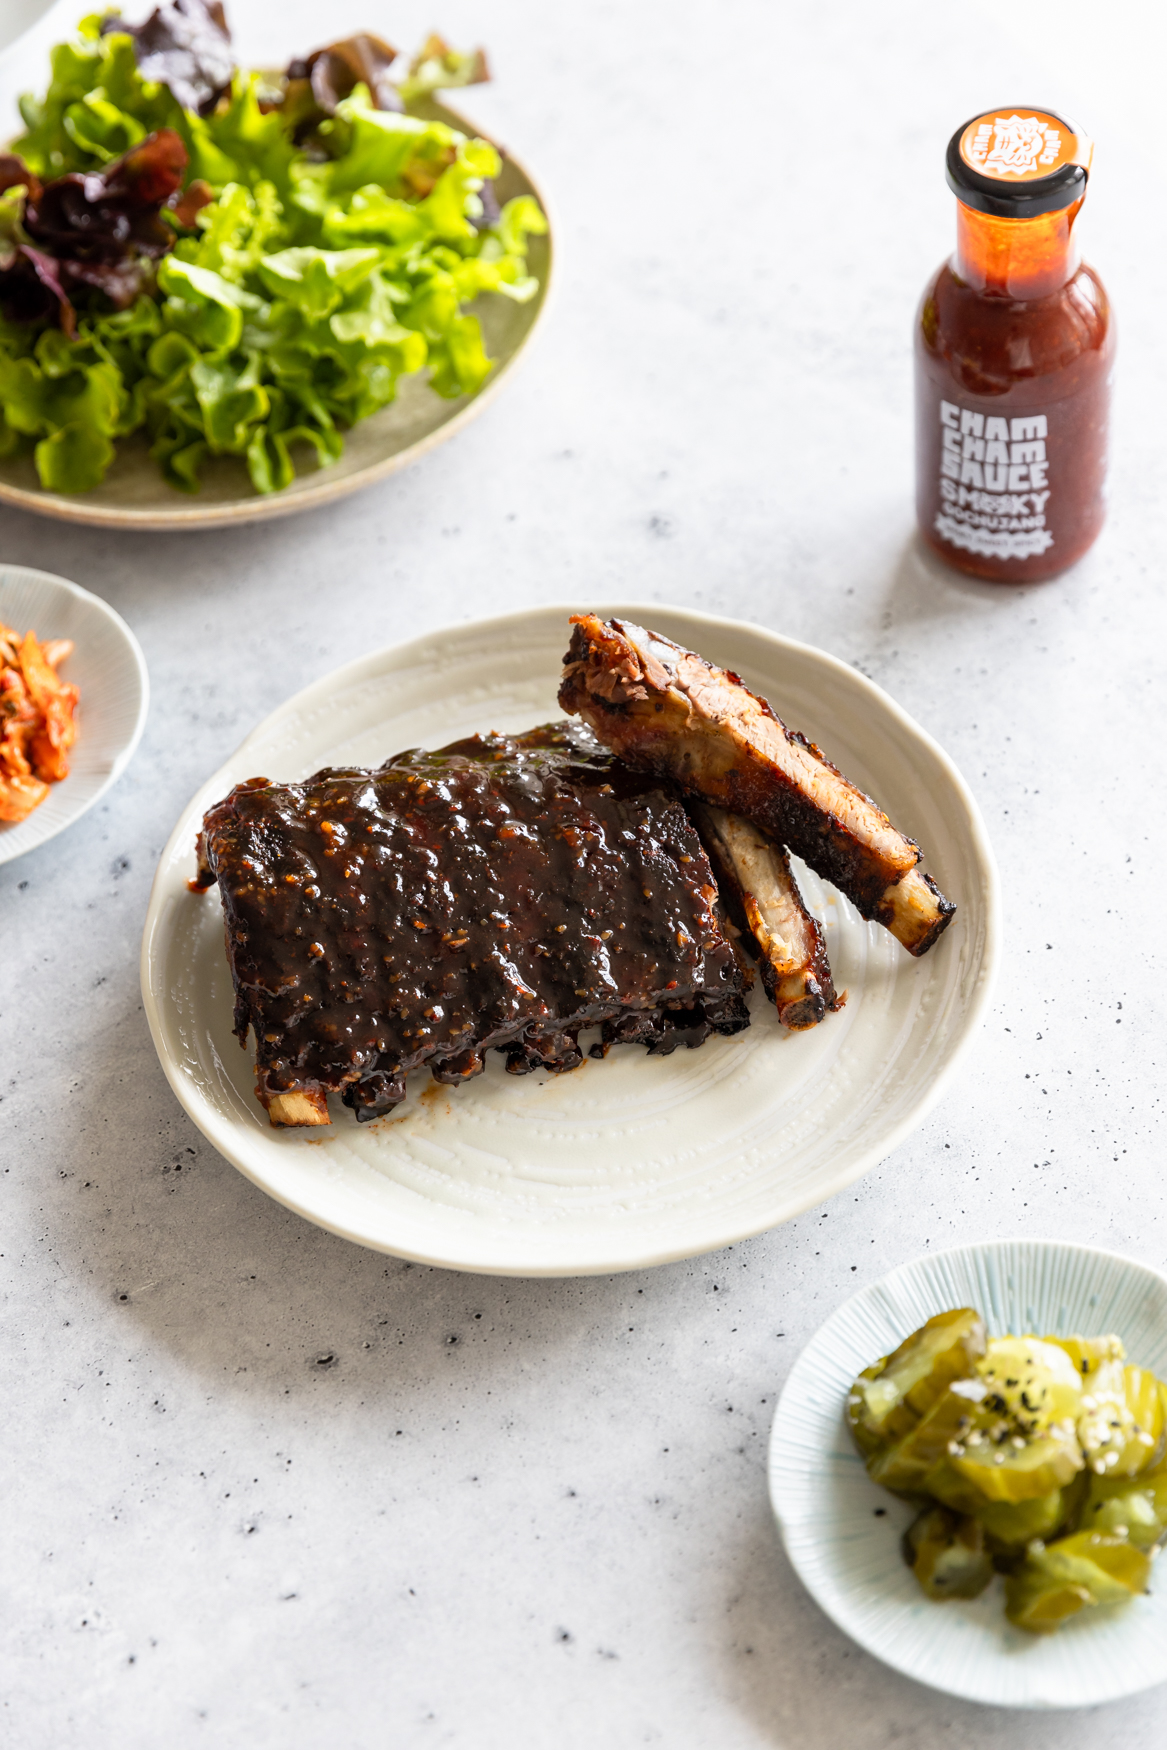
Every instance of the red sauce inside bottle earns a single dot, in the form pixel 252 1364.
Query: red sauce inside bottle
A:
pixel 1014 350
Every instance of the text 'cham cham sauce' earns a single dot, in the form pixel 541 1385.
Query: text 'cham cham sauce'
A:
pixel 1014 353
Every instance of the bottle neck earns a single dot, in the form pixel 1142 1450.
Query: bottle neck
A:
pixel 1016 258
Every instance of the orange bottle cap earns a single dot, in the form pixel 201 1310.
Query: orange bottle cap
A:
pixel 1017 162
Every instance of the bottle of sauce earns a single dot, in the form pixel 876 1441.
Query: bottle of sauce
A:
pixel 1014 349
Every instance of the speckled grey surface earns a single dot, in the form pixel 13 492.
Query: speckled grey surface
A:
pixel 264 1489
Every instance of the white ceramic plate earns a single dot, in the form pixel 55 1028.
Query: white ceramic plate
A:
pixel 108 666
pixel 849 1560
pixel 633 1160
pixel 134 495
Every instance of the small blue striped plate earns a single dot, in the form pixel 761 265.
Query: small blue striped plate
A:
pixel 848 1557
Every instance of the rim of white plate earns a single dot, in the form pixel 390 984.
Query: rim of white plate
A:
pixel 219 1130
pixel 94 604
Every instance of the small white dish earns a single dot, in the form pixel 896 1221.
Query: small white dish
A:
pixel 633 1160
pixel 107 666
pixel 842 1533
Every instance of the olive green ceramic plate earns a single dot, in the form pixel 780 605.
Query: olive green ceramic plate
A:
pixel 842 1533
pixel 134 495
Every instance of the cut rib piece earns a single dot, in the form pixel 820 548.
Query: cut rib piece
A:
pixel 299 1107
pixel 505 891
pixel 915 911
pixel 758 887
pixel 668 711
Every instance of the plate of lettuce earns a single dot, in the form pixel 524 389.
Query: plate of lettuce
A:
pixel 227 294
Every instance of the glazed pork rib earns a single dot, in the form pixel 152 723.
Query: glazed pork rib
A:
pixel 761 894
pixel 668 711
pixel 504 891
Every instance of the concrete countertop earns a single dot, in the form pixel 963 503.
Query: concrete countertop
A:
pixel 265 1488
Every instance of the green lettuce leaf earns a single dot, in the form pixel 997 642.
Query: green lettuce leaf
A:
pixel 204 305
pixel 459 358
pixel 258 146
pixel 232 401
pixel 74 458
pixel 383 147
pixel 306 291
pixel 316 280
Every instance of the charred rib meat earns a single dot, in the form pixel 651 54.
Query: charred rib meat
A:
pixel 505 891
pixel 761 894
pixel 668 711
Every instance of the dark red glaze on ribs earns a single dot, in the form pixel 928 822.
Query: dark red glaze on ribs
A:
pixel 667 710
pixel 504 891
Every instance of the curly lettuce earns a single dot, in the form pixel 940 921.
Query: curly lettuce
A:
pixel 303 291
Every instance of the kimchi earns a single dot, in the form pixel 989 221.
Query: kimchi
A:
pixel 37 720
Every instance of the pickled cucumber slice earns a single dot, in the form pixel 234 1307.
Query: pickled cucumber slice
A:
pixel 1015 1468
pixel 1024 1443
pixel 1116 1556
pixel 1158 1466
pixel 895 1394
pixel 865 1439
pixel 952 1490
pixel 1010 1526
pixel 1033 1383
pixel 1040 1604
pixel 947 1554
pixel 1057 1580
pixel 1122 1507
pixel 1088 1353
pixel 1042 1457
pixel 1121 1425
pixel 904 1467
pixel 1144 1399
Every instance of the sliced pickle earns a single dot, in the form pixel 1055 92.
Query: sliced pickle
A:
pixel 1040 1604
pixel 1033 1383
pixel 865 1439
pixel 1144 1398
pixel 904 1467
pixel 1023 1444
pixel 1118 1558
pixel 898 1391
pixel 1059 1579
pixel 1040 1601
pixel 952 1490
pixel 1043 1458
pixel 1158 1466
pixel 1074 1502
pixel 1121 1421
pixel 1010 1526
pixel 1135 1508
pixel 1088 1353
pixel 947 1554
pixel 1014 1468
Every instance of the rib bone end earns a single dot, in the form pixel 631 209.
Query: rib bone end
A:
pixel 916 912
pixel 297 1108
pixel 758 885
pixel 800 1000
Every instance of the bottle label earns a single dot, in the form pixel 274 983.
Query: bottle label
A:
pixel 994 486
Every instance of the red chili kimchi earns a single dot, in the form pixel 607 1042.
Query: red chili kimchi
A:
pixel 37 720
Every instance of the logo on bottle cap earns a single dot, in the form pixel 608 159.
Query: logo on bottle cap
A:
pixel 1021 145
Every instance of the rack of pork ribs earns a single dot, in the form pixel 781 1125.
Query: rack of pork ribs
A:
pixel 618 875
